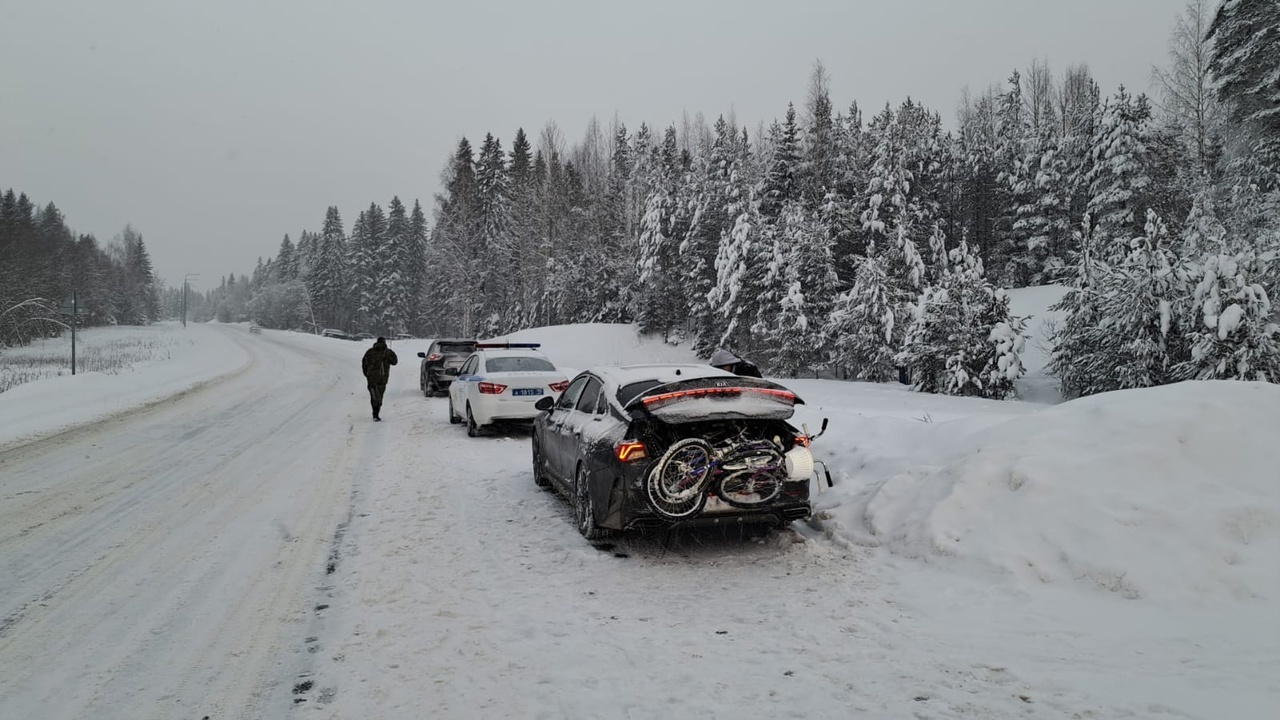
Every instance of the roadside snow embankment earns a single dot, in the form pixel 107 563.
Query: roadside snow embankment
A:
pixel 574 348
pixel 183 358
pixel 1168 494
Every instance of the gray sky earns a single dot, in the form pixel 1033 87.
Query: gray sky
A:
pixel 216 127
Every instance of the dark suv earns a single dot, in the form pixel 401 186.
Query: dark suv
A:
pixel 440 364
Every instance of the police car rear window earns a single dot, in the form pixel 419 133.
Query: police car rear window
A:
pixel 517 364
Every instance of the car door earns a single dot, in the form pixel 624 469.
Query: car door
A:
pixel 459 391
pixel 578 430
pixel 559 446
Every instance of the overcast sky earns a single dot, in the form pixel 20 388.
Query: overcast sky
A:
pixel 217 126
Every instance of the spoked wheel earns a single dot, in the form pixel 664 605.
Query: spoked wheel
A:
pixel 683 471
pixel 676 487
pixel 752 480
pixel 539 478
pixel 473 430
pixel 582 514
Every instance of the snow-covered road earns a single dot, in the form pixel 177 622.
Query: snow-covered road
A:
pixel 160 564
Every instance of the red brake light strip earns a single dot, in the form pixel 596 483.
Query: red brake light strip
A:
pixel 785 396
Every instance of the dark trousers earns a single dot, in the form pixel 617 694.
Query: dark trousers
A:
pixel 375 395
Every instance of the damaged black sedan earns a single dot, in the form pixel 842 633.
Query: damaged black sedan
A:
pixel 650 446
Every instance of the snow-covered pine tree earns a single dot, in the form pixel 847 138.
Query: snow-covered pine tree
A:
pixel 396 281
pixel 328 281
pixel 797 325
pixel 1246 55
pixel 710 220
pixel 1125 327
pixel 962 338
pixel 1232 331
pixel 415 269
pixel 863 323
pixel 661 302
pixel 490 253
pixel 1119 177
pixel 784 179
pixel 285 266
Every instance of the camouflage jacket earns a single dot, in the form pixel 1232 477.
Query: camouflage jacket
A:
pixel 377 363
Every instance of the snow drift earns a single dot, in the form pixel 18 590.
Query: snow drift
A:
pixel 1162 494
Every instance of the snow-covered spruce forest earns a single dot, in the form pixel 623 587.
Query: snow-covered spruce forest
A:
pixel 859 242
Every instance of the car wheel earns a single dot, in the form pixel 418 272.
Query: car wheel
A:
pixel 453 416
pixel 473 430
pixel 582 508
pixel 539 478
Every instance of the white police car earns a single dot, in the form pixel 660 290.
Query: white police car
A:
pixel 500 382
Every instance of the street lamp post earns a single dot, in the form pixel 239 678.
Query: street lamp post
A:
pixel 184 296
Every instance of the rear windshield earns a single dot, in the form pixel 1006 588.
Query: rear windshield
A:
pixel 627 392
pixel 456 348
pixel 517 364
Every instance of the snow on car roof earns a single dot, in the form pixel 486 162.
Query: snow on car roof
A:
pixel 627 374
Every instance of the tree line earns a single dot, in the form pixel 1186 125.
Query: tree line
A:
pixel 877 244
pixel 42 262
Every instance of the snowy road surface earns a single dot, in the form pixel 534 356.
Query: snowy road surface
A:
pixel 259 549
pixel 160 564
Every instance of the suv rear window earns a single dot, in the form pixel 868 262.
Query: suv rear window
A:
pixel 456 348
pixel 517 364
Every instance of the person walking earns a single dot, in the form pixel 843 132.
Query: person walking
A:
pixel 377 364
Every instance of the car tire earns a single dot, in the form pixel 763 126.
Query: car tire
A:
pixel 473 430
pixel 582 516
pixel 453 416
pixel 539 478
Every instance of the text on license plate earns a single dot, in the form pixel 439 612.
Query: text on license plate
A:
pixel 526 391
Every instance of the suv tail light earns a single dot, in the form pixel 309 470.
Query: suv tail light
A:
pixel 630 451
pixel 434 357
pixel 488 388
pixel 559 386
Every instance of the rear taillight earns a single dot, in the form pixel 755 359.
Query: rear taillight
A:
pixel 559 386
pixel 434 357
pixel 488 388
pixel 630 451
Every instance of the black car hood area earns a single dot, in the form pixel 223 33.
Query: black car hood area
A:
pixel 718 398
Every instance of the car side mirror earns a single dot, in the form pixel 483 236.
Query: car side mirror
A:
pixel 451 371
pixel 422 355
pixel 545 403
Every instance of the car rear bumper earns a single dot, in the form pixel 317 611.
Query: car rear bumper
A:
pixel 630 510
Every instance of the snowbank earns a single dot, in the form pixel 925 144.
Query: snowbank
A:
pixel 194 355
pixel 1165 494
pixel 576 347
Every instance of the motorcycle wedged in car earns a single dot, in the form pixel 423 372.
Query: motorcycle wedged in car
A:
pixel 651 446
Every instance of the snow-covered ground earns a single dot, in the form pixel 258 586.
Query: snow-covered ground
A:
pixel 146 364
pixel 259 548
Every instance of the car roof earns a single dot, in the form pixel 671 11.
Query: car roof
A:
pixel 455 340
pixel 622 375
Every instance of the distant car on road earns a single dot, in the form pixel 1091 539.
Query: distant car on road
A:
pixel 649 446
pixel 440 364
pixel 255 328
pixel 333 333
pixel 363 336
pixel 500 383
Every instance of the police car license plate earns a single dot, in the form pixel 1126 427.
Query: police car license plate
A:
pixel 518 392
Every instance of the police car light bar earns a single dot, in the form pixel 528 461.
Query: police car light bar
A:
pixel 509 346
